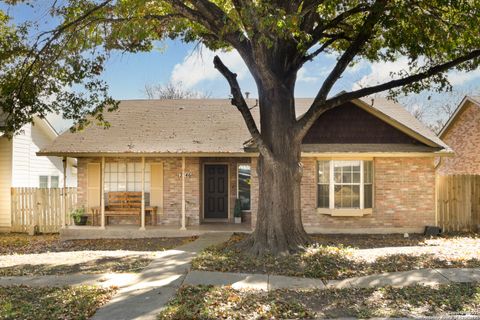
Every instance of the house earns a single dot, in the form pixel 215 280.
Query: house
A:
pixel 462 133
pixel 21 167
pixel 368 166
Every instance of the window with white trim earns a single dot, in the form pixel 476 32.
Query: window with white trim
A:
pixel 345 184
pixel 124 176
pixel 243 182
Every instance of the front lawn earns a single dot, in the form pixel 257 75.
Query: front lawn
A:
pixel 50 303
pixel 208 302
pixel 338 258
pixel 102 265
pixel 17 243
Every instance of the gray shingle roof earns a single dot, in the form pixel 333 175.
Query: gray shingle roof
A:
pixel 189 126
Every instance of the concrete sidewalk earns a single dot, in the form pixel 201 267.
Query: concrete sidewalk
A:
pixel 267 282
pixel 157 283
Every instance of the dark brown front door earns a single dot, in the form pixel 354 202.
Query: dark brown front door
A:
pixel 215 191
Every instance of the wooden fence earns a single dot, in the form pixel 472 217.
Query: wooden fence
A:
pixel 40 208
pixel 458 202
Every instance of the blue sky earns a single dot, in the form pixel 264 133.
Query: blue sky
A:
pixel 127 74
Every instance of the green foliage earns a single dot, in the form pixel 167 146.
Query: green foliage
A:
pixel 59 70
pixel 77 214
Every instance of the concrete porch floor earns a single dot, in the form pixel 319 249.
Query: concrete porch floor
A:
pixel 132 231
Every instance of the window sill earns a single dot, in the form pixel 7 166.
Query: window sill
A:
pixel 345 212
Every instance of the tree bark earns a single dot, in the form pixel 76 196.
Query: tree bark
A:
pixel 279 229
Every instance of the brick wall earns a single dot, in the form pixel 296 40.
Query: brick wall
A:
pixel 404 199
pixel 464 138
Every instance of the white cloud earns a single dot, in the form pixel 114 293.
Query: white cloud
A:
pixel 380 72
pixel 302 76
pixel 198 67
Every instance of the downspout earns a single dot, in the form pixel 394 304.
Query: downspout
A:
pixel 183 196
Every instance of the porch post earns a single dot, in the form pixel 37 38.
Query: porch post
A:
pixel 102 195
pixel 64 215
pixel 142 213
pixel 183 195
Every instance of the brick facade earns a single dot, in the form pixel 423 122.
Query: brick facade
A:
pixel 463 136
pixel 404 194
pixel 404 198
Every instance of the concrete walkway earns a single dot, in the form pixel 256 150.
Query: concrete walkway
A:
pixel 157 283
pixel 267 282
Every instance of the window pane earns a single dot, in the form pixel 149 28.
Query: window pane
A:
pixel 131 186
pixel 244 180
pixel 54 182
pixel 130 167
pixel 324 172
pixel 347 196
pixel 43 181
pixel 323 196
pixel 368 196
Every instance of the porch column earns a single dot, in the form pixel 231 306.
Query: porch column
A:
pixel 183 195
pixel 102 195
pixel 64 215
pixel 142 213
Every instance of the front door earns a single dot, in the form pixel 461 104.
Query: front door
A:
pixel 215 191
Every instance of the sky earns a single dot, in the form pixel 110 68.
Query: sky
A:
pixel 191 64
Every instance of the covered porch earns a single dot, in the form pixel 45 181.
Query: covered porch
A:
pixel 124 195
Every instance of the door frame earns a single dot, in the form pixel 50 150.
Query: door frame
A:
pixel 228 219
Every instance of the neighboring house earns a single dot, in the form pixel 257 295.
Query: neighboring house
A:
pixel 462 134
pixel 21 167
pixel 368 166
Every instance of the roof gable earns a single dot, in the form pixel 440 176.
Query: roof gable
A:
pixel 475 100
pixel 348 124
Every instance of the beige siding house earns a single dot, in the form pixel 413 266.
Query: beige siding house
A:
pixel 368 167
pixel 462 134
pixel 21 167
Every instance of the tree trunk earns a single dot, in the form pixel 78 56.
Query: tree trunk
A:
pixel 279 229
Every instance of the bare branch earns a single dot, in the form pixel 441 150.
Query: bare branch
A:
pixel 317 108
pixel 241 104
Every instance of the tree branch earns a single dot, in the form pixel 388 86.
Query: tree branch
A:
pixel 317 108
pixel 241 104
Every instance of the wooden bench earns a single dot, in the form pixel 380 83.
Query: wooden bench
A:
pixel 123 204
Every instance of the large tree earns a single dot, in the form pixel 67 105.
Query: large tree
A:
pixel 275 39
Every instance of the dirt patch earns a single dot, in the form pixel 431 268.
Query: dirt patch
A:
pixel 15 243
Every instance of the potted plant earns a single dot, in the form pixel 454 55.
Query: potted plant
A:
pixel 79 217
pixel 237 211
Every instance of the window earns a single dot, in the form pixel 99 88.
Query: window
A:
pixel 345 184
pixel 244 180
pixel 43 181
pixel 124 176
pixel 54 182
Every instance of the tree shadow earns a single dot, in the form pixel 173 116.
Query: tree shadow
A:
pixel 101 265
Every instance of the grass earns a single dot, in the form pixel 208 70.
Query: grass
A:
pixel 208 302
pixel 103 265
pixel 16 243
pixel 23 302
pixel 327 261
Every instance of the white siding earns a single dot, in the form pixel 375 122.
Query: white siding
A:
pixel 5 180
pixel 27 166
